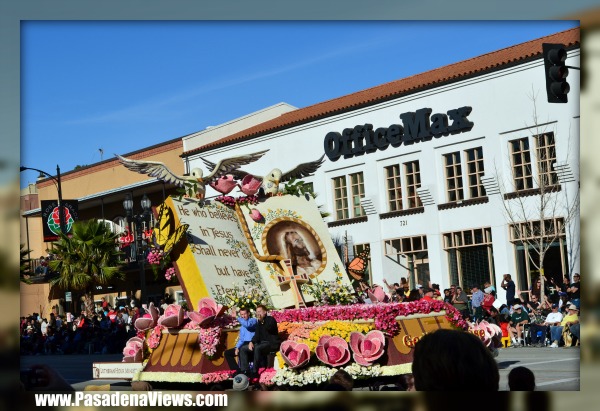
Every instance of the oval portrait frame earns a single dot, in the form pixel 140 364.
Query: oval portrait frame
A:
pixel 306 227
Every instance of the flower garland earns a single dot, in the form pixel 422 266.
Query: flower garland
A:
pixel 230 201
pixel 267 375
pixel 209 338
pixel 321 374
pixel 313 375
pixel 154 338
pixel 218 376
pixel 384 315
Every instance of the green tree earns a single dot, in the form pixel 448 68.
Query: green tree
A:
pixel 86 259
pixel 25 265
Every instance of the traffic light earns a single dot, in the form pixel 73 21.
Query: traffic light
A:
pixel 557 87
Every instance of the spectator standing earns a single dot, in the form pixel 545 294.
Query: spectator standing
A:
pixel 488 300
pixel 52 321
pixel 461 302
pixel 428 294
pixel 476 301
pixel 112 314
pixel 447 296
pixel 42 268
pixel 509 285
pixel 573 290
pixel 126 317
pixel 405 289
pixel 414 295
pixel 489 285
pixel 563 302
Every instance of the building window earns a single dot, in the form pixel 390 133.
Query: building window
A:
pixel 521 164
pixel 531 236
pixel 475 171
pixel 394 190
pixel 340 197
pixel 546 153
pixel 414 249
pixel 470 256
pixel 454 185
pixel 413 181
pixel 357 188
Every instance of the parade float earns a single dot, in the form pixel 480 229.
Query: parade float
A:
pixel 272 248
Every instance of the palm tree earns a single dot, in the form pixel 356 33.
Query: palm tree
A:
pixel 88 258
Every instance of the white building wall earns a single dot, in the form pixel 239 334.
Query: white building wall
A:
pixel 502 109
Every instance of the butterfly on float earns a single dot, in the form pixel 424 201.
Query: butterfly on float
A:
pixel 359 264
pixel 167 233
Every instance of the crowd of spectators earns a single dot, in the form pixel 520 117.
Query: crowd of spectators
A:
pixel 103 332
pixel 528 318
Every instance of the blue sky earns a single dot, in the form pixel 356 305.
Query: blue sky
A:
pixel 123 86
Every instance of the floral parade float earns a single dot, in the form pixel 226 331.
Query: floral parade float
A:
pixel 272 248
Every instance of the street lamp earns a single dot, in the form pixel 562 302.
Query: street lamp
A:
pixel 56 180
pixel 138 221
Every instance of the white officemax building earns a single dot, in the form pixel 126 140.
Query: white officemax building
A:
pixel 455 176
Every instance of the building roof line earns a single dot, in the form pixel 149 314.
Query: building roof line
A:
pixel 475 66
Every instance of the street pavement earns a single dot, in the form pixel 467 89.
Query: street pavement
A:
pixel 555 369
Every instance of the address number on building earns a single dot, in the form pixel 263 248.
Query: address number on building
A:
pixel 403 222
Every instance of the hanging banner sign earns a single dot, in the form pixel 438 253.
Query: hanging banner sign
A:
pixel 51 218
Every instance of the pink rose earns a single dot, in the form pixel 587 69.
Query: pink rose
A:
pixel 133 350
pixel 295 355
pixel 367 348
pixel 208 310
pixel 332 351
pixel 148 320
pixel 256 215
pixel 173 316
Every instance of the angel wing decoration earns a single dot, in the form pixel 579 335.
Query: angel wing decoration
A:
pixel 196 178
pixel 270 181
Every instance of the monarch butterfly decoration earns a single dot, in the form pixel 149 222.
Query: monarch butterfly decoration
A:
pixel 359 264
pixel 165 235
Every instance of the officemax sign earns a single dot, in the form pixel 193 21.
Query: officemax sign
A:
pixel 416 127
